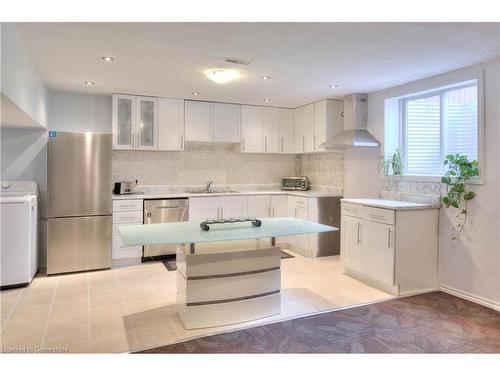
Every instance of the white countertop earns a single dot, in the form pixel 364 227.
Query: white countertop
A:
pixel 159 195
pixel 393 205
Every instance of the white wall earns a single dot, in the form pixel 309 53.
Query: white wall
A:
pixel 76 112
pixel 469 266
pixel 21 81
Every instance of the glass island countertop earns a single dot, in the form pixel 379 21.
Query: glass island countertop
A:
pixel 191 233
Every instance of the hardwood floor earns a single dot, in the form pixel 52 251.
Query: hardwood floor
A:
pixel 427 323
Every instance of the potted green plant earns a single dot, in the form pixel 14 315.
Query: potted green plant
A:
pixel 393 166
pixel 459 172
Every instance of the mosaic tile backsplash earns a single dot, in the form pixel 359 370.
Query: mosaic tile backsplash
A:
pixel 224 165
pixel 412 191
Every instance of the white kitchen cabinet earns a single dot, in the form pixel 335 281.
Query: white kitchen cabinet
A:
pixel 271 129
pixel 286 136
pixel 251 129
pixel 378 251
pixel 233 206
pixel 147 123
pixel 170 124
pixel 259 206
pixel 227 122
pixel 298 207
pixel 278 206
pixel 125 212
pixel 124 115
pixel 395 250
pixel 303 128
pixel 198 121
pixel 328 121
pixel 134 122
pixel 350 239
pixel 202 208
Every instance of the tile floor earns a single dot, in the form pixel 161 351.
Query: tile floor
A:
pixel 133 308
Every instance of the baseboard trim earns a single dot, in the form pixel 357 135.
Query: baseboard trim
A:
pixel 470 297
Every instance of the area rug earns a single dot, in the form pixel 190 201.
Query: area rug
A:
pixel 427 323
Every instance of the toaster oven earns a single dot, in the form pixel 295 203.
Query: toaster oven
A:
pixel 295 183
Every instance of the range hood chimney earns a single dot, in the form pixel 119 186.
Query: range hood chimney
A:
pixel 355 134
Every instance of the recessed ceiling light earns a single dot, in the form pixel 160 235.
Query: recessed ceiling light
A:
pixel 333 86
pixel 195 93
pixel 265 78
pixel 267 100
pixel 89 83
pixel 221 75
pixel 107 58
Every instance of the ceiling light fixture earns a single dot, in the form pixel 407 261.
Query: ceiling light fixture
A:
pixel 89 83
pixel 107 58
pixel 221 75
pixel 265 78
pixel 195 93
pixel 333 86
pixel 267 100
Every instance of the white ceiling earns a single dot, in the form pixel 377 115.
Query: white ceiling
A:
pixel 168 59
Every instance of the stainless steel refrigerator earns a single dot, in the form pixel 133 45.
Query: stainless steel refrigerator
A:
pixel 79 222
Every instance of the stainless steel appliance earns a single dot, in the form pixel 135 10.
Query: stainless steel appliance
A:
pixel 329 214
pixel 295 183
pixel 124 187
pixel 164 211
pixel 79 222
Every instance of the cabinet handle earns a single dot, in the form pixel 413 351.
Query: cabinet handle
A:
pixel 359 239
pixel 303 143
pixel 281 144
pixel 265 144
pixel 273 212
pixel 132 140
pixel 182 142
pixel 222 212
pixel 243 141
pixel 314 142
pixel 389 238
pixel 138 140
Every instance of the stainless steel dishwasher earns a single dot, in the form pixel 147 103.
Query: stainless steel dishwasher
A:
pixel 163 211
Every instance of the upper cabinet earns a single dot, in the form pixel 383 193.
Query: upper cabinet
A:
pixel 328 121
pixel 212 122
pixel 271 129
pixel 198 123
pixel 170 124
pixel 303 128
pixel 227 122
pixel 286 140
pixel 251 129
pixel 135 122
pixel 315 123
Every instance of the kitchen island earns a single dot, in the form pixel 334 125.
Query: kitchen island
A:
pixel 228 274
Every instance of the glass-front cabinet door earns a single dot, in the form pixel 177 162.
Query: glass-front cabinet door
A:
pixel 124 115
pixel 147 123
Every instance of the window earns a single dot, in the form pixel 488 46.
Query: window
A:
pixel 436 124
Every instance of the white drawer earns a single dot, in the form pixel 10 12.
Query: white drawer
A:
pixel 121 252
pixel 380 215
pixel 130 217
pixel 116 232
pixel 127 205
pixel 297 201
pixel 351 209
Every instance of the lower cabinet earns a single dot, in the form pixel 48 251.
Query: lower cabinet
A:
pixel 216 207
pixel 126 212
pixel 259 206
pixel 350 240
pixel 394 250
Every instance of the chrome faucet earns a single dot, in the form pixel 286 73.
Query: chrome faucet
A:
pixel 207 186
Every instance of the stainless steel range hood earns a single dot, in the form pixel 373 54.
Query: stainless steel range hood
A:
pixel 355 134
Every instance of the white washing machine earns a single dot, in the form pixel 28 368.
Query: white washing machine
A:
pixel 19 223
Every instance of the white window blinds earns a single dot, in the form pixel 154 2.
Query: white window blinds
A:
pixel 439 124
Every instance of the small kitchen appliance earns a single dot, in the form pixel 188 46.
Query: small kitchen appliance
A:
pixel 295 183
pixel 123 187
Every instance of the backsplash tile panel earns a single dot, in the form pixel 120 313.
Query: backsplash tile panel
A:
pixel 323 169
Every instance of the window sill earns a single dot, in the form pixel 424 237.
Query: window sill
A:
pixel 430 179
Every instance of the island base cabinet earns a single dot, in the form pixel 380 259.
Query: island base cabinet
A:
pixel 228 282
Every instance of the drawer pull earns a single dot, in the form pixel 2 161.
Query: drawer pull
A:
pixel 388 238
pixel 359 238
pixel 373 216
